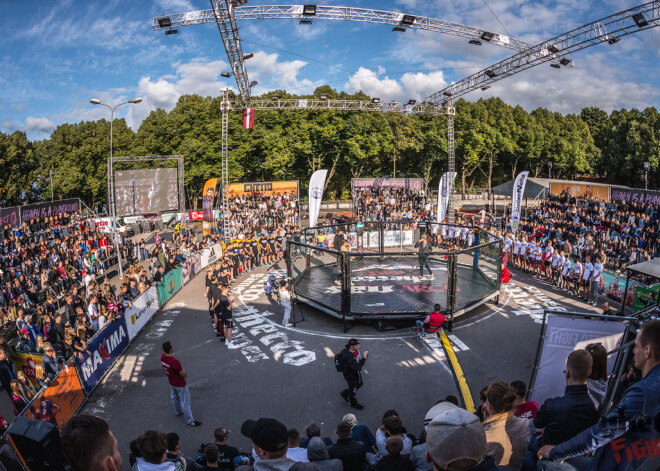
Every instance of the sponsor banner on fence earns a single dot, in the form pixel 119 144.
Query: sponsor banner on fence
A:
pixel 51 208
pixel 390 238
pixel 190 268
pixel 169 286
pixel 415 184
pixel 196 215
pixel 634 195
pixel 562 336
pixel 9 216
pixel 582 190
pixel 289 187
pixel 27 362
pixel 143 308
pixel 105 348
pixel 65 391
pixel 210 255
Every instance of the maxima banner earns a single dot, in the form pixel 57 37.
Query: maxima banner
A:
pixel 446 186
pixel 170 285
pixel 191 267
pixel 105 348
pixel 563 335
pixel 415 184
pixel 516 205
pixel 51 208
pixel 142 309
pixel 633 195
pixel 316 187
pixel 211 255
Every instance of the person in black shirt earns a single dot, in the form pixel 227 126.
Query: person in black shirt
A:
pixel 248 256
pixel 263 246
pixel 209 283
pixel 225 307
pixel 226 453
pixel 254 245
pixel 215 296
pixel 279 244
pixel 271 250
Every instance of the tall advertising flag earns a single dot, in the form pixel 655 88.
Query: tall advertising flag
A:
pixel 248 118
pixel 446 186
pixel 516 206
pixel 208 200
pixel 316 185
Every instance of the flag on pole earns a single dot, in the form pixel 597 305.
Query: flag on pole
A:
pixel 316 187
pixel 516 205
pixel 248 118
pixel 446 187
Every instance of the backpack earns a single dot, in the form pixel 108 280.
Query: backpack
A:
pixel 179 463
pixel 339 362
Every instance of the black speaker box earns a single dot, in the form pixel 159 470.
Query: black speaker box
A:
pixel 38 443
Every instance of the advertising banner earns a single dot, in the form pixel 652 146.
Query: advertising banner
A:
pixel 290 187
pixel 9 216
pixel 51 208
pixel 105 348
pixel 210 255
pixel 190 268
pixel 65 392
pixel 316 187
pixel 208 202
pixel 446 187
pixel 143 308
pixel 169 286
pixel 196 216
pixel 516 205
pixel 634 195
pixel 27 362
pixel 415 184
pixel 563 335
pixel 581 190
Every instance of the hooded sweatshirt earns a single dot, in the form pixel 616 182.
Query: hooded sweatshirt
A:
pixel 279 464
pixel 317 453
pixel 143 465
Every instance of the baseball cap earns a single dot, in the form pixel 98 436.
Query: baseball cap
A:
pixel 435 411
pixel 455 435
pixel 352 342
pixel 268 434
pixel 24 331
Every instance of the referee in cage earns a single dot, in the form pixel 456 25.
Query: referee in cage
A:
pixel 425 249
pixel 337 242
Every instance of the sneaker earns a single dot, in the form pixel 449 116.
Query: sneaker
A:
pixel 232 346
pixel 287 324
pixel 226 342
pixel 357 405
pixel 195 423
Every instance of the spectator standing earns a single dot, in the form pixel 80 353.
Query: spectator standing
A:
pixel 89 445
pixel 176 376
pixel 350 452
pixel 352 363
pixel 285 302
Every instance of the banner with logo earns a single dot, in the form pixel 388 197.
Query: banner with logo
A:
pixel 50 208
pixel 316 187
pixel 190 267
pixel 65 391
pixel 635 195
pixel 170 285
pixel 105 348
pixel 9 216
pixel 581 190
pixel 27 362
pixel 211 255
pixel 564 334
pixel 208 202
pixel 143 308
pixel 445 189
pixel 290 187
pixel 516 205
pixel 415 184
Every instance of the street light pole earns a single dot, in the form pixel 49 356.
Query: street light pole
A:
pixel 111 183
pixel 52 173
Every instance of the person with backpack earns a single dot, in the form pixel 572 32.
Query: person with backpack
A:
pixel 350 363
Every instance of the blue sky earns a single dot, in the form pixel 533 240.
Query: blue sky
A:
pixel 56 55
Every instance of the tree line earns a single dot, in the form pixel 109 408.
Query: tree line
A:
pixel 493 142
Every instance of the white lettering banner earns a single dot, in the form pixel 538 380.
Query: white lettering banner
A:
pixel 516 205
pixel 142 309
pixel 211 255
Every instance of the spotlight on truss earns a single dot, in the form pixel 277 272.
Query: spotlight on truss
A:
pixel 408 20
pixel 164 22
pixel 324 97
pixel 565 61
pixel 309 10
pixel 487 35
pixel 375 100
pixel 225 74
pixel 305 22
pixel 613 40
pixel 490 73
pixel 398 29
pixel 485 87
pixel 248 55
pixel 274 97
pixel 555 66
pixel 447 93
pixel 412 102
pixel 253 83
pixel 553 48
pixel 171 31
pixel 640 20
pixel 476 42
pixel 236 3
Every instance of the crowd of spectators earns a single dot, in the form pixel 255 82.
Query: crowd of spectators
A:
pixel 392 204
pixel 254 213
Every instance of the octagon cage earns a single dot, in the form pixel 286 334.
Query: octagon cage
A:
pixel 382 275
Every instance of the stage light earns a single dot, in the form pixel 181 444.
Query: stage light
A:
pixel 412 102
pixel 408 20
pixel 485 87
pixel 324 97
pixel 487 35
pixel 555 66
pixel 613 40
pixel 225 74
pixel 253 83
pixel 398 29
pixel 171 31
pixel 476 42
pixel 447 93
pixel 248 55
pixel 164 22
pixel 553 48
pixel 236 3
pixel 305 22
pixel 640 20
pixel 490 73
pixel 375 100
pixel 274 97
pixel 309 10
pixel 565 62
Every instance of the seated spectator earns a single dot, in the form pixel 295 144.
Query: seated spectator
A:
pixel 313 430
pixel 349 451
pixel 295 452
pixel 482 398
pixel 153 448
pixel 432 323
pixel 391 427
pixel 25 345
pixel 89 445
pixel 317 453
pixel 210 458
pixel 174 454
pixel 394 461
pixel 562 418
pixel 456 440
pixel 361 433
pixel 226 453
pixel 418 453
pixel 597 381
pixel 521 407
pixel 51 363
pixel 17 398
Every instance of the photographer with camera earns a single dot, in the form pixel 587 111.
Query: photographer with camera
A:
pixel 352 363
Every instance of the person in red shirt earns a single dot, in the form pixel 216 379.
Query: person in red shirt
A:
pixel 432 323
pixel 176 376
pixel 522 408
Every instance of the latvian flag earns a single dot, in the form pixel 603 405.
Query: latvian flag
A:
pixel 248 118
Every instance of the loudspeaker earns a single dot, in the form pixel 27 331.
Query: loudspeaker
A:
pixel 38 443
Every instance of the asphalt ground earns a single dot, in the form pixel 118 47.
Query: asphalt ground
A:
pixel 288 372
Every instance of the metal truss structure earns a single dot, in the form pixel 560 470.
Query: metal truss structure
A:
pixel 153 158
pixel 316 104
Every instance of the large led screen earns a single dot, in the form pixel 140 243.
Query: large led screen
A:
pixel 153 191
pixel 124 193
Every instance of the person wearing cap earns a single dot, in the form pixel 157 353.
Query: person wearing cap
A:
pixel 352 363
pixel 455 440
pixel 25 345
pixel 270 441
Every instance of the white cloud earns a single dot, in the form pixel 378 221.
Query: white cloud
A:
pixel 271 73
pixel 411 85
pixel 174 6
pixel 43 125
pixel 9 125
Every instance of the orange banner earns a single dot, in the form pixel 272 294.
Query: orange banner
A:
pixel 581 190
pixel 65 392
pixel 265 188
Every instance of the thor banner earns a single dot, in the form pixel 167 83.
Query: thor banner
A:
pixel 208 201
pixel 446 186
pixel 316 187
pixel 142 309
pixel 170 285
pixel 65 392
pixel 516 205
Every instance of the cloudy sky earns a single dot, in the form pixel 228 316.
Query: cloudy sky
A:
pixel 56 55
